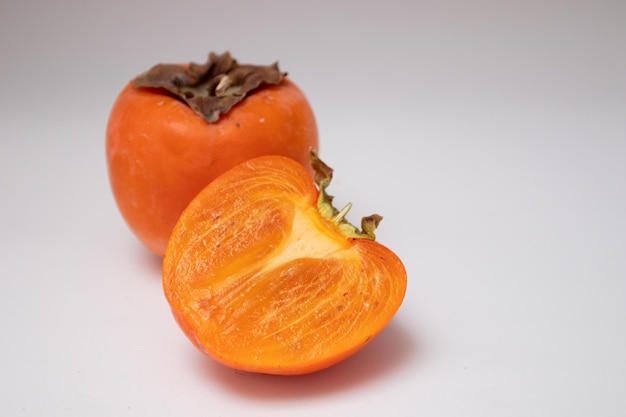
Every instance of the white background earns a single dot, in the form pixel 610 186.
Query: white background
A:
pixel 490 134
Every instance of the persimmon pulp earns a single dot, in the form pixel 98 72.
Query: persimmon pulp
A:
pixel 261 281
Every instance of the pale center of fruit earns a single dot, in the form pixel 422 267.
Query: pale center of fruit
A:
pixel 310 237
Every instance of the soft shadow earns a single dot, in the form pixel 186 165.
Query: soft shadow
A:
pixel 149 261
pixel 385 354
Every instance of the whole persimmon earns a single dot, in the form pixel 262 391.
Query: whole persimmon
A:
pixel 264 275
pixel 175 128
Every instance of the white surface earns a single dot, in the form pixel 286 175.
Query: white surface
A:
pixel 491 136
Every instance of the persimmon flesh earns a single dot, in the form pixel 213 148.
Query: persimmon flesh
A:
pixel 263 275
pixel 162 150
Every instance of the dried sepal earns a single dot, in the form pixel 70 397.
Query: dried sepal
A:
pixel 211 88
pixel 323 178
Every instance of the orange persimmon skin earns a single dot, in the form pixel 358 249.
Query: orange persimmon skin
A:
pixel 261 282
pixel 160 153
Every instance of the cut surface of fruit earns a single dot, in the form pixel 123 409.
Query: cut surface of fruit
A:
pixel 261 281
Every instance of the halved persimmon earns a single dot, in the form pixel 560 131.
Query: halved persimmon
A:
pixel 264 275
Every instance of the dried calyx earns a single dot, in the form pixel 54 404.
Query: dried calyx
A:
pixel 212 88
pixel 323 177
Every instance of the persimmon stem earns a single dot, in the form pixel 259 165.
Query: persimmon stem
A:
pixel 342 214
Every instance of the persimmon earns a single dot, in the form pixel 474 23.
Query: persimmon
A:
pixel 175 128
pixel 264 275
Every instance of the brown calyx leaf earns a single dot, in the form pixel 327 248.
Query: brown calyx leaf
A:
pixel 212 88
pixel 323 177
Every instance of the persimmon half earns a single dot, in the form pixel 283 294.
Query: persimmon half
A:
pixel 175 128
pixel 264 275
